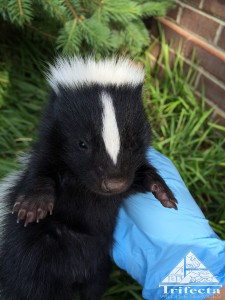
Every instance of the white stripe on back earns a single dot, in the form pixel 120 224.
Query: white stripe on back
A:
pixel 110 131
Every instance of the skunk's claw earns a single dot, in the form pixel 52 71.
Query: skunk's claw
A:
pixel 21 215
pixel 41 214
pixel 30 218
pixel 164 195
pixel 31 209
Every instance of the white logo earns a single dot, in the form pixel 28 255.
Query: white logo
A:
pixel 190 279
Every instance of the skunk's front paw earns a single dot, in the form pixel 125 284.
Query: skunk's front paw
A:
pixel 161 191
pixel 34 206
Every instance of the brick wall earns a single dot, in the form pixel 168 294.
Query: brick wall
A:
pixel 200 25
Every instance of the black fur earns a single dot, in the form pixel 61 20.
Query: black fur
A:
pixel 68 252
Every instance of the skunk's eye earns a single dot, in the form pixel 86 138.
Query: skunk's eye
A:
pixel 82 145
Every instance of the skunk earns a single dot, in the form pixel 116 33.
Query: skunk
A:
pixel 89 156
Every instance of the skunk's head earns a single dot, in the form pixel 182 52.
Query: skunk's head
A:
pixel 98 110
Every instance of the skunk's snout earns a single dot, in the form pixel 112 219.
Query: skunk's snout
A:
pixel 115 185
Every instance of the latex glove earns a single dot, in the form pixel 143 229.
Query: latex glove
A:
pixel 150 241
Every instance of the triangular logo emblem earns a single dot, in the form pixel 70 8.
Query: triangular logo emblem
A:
pixel 190 271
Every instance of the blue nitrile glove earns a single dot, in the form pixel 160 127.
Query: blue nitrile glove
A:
pixel 172 254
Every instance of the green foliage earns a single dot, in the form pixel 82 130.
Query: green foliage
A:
pixel 135 29
pixel 4 82
pixel 18 11
pixel 122 11
pixel 183 131
pixel 96 34
pixel 155 8
pixel 83 27
pixel 22 96
pixel 122 287
pixel 69 37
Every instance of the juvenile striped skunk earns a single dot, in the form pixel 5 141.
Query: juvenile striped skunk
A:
pixel 90 155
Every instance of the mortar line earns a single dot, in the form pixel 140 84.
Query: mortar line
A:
pixel 200 12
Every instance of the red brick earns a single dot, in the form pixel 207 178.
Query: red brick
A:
pixel 199 24
pixel 213 64
pixel 187 68
pixel 209 62
pixel 172 13
pixel 155 50
pixel 215 7
pixel 213 91
pixel 172 37
pixel 219 120
pixel 194 3
pixel 221 42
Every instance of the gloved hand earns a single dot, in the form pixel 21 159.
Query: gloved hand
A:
pixel 164 249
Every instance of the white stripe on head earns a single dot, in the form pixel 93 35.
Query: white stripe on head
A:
pixel 110 131
pixel 75 71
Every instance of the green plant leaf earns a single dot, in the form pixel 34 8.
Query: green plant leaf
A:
pixel 20 11
pixel 70 37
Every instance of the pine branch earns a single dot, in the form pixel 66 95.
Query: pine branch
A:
pixel 70 37
pixel 20 11
pixel 68 4
pixel 41 32
pixel 136 37
pixel 96 35
pixel 78 26
pixel 123 11
pixel 55 8
pixel 20 8
pixel 154 8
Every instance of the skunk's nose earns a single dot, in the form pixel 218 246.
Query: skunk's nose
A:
pixel 114 185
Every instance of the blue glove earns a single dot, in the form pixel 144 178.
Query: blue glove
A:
pixel 172 254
